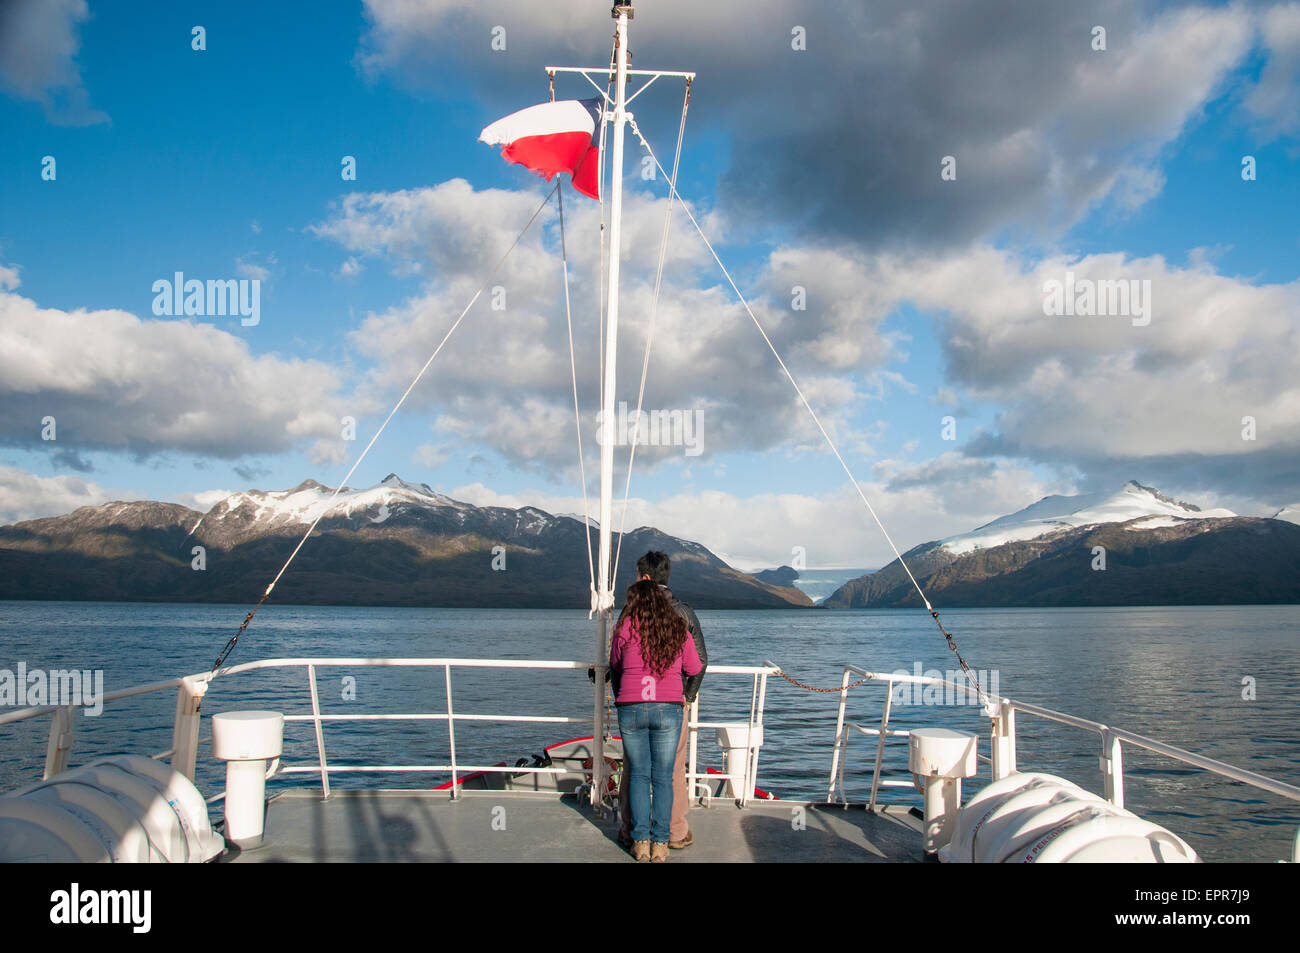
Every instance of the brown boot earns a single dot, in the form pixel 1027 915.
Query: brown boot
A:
pixel 641 851
pixel 658 853
pixel 686 841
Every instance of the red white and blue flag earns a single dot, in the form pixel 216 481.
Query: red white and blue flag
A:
pixel 554 137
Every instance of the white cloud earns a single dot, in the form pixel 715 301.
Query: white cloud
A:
pixel 252 270
pixel 1216 348
pixel 25 496
pixel 504 379
pixel 429 456
pixel 9 279
pixel 1164 402
pixel 1098 392
pixel 835 530
pixel 204 500
pixel 39 42
pixel 329 452
pixel 114 381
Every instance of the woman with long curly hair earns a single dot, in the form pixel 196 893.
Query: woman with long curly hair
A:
pixel 648 653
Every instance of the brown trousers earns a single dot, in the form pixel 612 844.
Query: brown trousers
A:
pixel 681 801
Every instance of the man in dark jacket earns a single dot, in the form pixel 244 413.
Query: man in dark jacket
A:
pixel 655 566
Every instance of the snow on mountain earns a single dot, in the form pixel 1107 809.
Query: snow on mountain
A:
pixel 309 499
pixel 1144 505
pixel 1289 513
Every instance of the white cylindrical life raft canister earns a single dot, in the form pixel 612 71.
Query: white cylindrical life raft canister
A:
pixel 1040 818
pixel 737 742
pixel 939 758
pixel 116 810
pixel 246 741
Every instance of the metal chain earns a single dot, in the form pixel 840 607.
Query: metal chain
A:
pixel 235 638
pixel 838 688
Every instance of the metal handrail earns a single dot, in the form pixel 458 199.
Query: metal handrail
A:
pixel 757 700
pixel 192 688
pixel 450 716
pixel 22 714
pixel 1003 736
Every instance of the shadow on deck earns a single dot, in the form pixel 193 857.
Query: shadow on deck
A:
pixel 495 827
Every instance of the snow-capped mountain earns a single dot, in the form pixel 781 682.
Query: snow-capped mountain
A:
pixel 395 543
pixel 1141 507
pixel 309 499
pixel 1136 546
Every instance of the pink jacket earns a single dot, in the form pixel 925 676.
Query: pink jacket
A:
pixel 633 680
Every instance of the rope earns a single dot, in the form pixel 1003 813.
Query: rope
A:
pixel 650 331
pixel 577 416
pixel 984 700
pixel 401 400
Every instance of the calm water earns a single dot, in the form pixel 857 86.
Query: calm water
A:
pixel 1174 673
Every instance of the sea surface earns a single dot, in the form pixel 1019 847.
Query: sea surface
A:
pixel 1220 681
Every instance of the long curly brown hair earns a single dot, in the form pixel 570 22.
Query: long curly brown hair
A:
pixel 662 630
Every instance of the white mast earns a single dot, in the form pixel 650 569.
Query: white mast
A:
pixel 622 13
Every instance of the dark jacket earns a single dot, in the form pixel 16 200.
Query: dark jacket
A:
pixel 691 683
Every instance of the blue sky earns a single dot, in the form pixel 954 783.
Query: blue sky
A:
pixel 817 167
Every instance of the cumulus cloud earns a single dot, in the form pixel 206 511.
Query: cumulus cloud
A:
pixel 504 379
pixel 113 381
pixel 1159 393
pixel 39 42
pixel 1170 401
pixel 26 496
pixel 846 144
pixel 834 529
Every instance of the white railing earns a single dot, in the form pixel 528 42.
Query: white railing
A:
pixel 450 716
pixel 1002 738
pixel 696 781
pixel 191 690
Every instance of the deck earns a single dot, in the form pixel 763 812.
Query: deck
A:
pixel 429 827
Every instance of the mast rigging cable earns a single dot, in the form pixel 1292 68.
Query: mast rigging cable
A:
pixel 984 699
pixel 401 400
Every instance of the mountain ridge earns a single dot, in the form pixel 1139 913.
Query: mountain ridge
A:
pixel 395 543
pixel 1154 550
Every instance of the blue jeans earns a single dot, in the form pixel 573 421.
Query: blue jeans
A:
pixel 650 731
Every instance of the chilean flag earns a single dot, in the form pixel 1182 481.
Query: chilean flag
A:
pixel 554 137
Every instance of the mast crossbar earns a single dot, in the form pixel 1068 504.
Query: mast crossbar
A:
pixel 586 71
